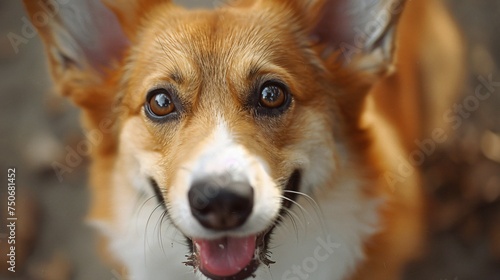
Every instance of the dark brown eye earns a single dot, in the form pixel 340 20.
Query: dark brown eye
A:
pixel 272 96
pixel 161 103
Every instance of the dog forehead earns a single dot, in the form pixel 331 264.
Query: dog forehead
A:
pixel 208 53
pixel 206 48
pixel 210 40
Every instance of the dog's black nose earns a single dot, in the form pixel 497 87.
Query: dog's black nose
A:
pixel 221 206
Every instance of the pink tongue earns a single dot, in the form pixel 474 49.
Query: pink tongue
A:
pixel 226 256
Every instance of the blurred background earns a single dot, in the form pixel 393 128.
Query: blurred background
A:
pixel 462 179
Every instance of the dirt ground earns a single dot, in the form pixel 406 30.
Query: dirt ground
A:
pixel 462 179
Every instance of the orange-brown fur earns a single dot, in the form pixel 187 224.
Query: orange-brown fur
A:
pixel 399 96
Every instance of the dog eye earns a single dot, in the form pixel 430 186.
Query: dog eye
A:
pixel 272 95
pixel 160 103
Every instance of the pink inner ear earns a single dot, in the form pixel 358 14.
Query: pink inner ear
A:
pixel 94 31
pixel 111 38
pixel 343 21
pixel 358 28
pixel 335 25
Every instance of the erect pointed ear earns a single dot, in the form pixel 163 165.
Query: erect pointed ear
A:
pixel 361 31
pixel 84 41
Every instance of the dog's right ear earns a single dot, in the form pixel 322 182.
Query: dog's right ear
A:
pixel 85 41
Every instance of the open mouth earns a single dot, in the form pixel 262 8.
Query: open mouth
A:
pixel 237 258
pixel 229 258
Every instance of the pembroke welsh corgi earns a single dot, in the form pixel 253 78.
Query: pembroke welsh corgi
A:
pixel 266 139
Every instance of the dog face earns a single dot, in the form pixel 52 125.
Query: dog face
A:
pixel 226 124
pixel 228 114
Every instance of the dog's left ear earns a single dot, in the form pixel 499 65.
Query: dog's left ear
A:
pixel 361 31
